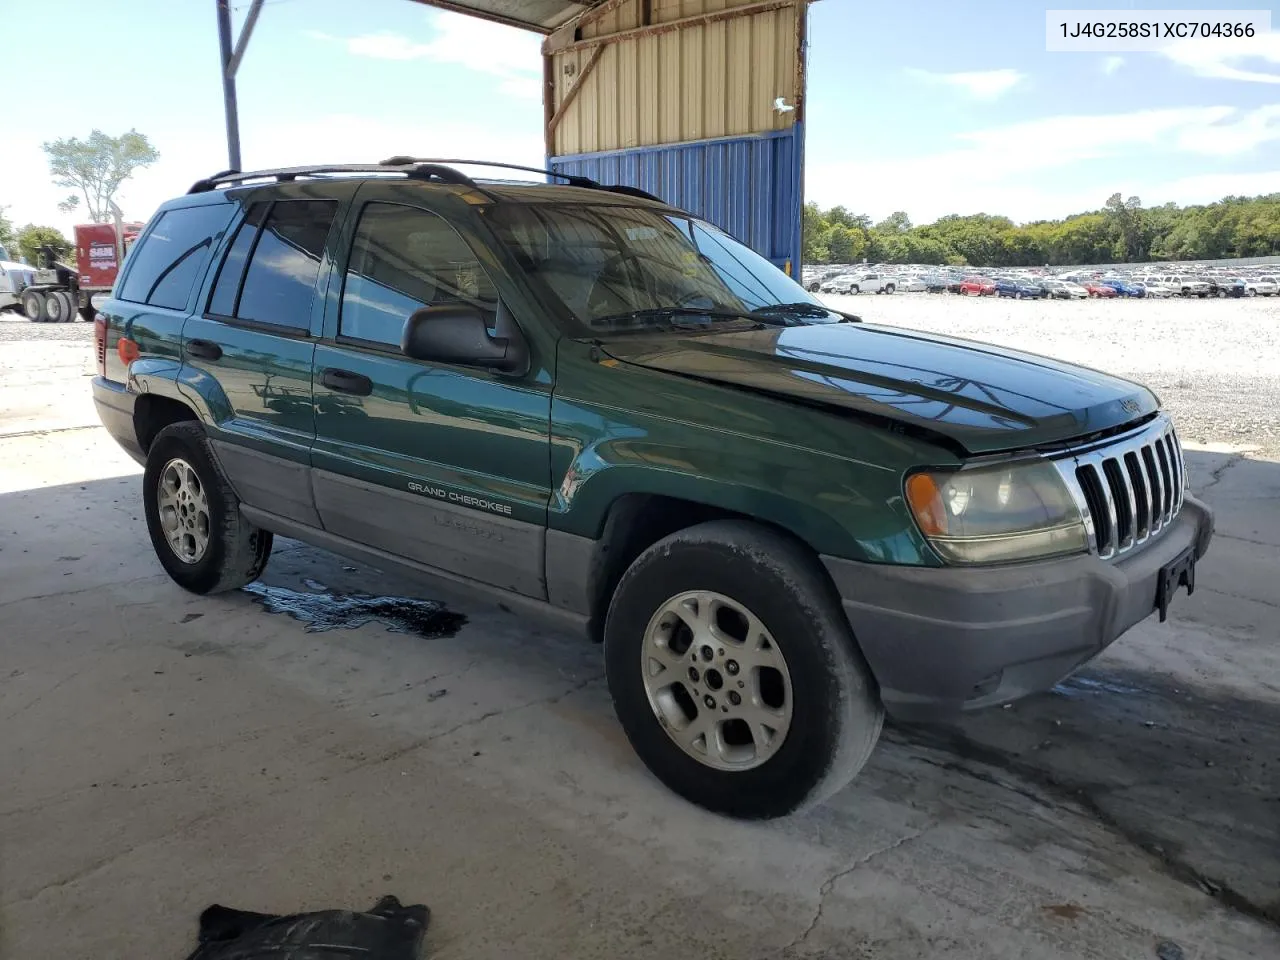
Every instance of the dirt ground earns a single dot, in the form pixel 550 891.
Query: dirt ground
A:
pixel 161 751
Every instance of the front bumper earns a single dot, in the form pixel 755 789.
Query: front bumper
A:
pixel 943 640
pixel 115 409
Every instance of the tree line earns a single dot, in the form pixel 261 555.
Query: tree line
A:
pixel 1123 231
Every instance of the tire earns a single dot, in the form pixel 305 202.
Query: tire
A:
pixel 33 305
pixel 889 288
pixel 835 711
pixel 58 307
pixel 1251 293
pixel 236 552
pixel 1017 294
pixel 854 290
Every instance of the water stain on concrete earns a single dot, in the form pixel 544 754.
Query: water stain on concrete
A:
pixel 325 609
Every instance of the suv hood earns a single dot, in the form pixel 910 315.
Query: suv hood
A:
pixel 984 398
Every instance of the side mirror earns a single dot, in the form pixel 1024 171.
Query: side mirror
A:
pixel 457 333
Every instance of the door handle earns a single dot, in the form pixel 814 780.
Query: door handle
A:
pixel 344 381
pixel 203 350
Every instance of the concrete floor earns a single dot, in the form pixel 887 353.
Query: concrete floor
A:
pixel 161 751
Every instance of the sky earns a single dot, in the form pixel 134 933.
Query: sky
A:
pixel 928 107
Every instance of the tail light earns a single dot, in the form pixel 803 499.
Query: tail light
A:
pixel 100 342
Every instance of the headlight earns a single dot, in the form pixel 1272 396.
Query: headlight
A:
pixel 1019 511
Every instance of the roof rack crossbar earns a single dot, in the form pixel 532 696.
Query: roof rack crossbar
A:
pixel 413 169
pixel 573 179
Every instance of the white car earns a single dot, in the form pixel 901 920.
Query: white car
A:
pixel 873 283
pixel 1187 286
pixel 911 284
pixel 1261 287
pixel 1155 287
pixel 14 278
pixel 840 284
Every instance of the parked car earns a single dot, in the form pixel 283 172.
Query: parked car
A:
pixel 1261 287
pixel 977 287
pixel 1063 289
pixel 937 283
pixel 840 284
pixel 1231 287
pixel 14 278
pixel 592 406
pixel 1018 289
pixel 1154 291
pixel 1156 287
pixel 872 283
pixel 1124 288
pixel 1187 286
pixel 911 285
pixel 1096 288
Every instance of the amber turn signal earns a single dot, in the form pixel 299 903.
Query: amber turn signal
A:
pixel 925 500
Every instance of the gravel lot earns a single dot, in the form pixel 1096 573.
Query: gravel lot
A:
pixel 1214 363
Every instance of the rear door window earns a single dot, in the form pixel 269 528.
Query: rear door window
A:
pixel 166 265
pixel 280 281
pixel 226 289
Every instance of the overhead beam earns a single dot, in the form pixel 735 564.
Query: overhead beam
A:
pixel 562 41
pixel 506 21
pixel 250 21
pixel 572 95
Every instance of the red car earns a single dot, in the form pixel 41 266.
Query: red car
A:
pixel 1100 289
pixel 978 287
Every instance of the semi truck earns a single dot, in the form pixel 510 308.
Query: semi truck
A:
pixel 60 290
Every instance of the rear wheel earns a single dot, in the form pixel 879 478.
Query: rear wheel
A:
pixel 57 307
pixel 33 305
pixel 734 673
pixel 889 288
pixel 193 515
pixel 1250 292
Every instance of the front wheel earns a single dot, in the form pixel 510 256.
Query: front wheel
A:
pixel 889 288
pixel 854 290
pixel 1251 293
pixel 199 535
pixel 734 673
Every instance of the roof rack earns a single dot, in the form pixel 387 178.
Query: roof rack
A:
pixel 416 169
pixel 573 179
pixel 421 168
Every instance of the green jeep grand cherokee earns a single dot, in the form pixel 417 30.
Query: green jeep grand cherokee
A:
pixel 780 521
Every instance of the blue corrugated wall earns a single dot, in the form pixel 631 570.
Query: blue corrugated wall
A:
pixel 750 187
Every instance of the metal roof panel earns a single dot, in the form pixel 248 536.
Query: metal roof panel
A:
pixel 542 16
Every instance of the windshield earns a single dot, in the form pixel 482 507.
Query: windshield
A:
pixel 616 268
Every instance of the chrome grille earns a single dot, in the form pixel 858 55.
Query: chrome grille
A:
pixel 1129 490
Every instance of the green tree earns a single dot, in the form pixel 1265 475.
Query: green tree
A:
pixel 6 231
pixel 31 238
pixel 96 167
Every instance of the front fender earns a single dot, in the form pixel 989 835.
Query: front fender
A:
pixel 834 483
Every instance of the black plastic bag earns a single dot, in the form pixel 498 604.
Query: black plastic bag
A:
pixel 389 931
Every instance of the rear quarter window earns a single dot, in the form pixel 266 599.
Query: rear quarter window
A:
pixel 172 257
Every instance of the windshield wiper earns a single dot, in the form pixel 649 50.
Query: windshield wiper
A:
pixel 670 314
pixel 806 309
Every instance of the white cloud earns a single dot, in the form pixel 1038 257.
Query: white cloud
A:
pixel 1012 169
pixel 1235 59
pixel 1111 64
pixel 514 56
pixel 981 85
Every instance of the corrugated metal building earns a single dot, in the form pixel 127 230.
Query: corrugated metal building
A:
pixel 698 101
